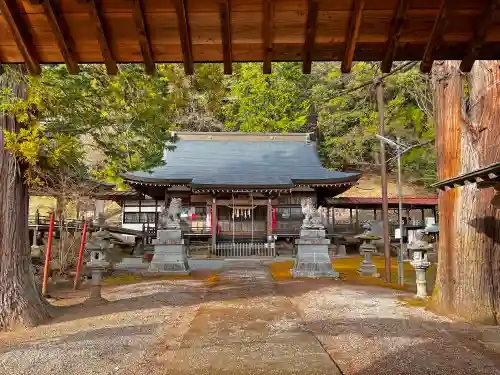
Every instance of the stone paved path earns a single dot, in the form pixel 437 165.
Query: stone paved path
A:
pixel 244 328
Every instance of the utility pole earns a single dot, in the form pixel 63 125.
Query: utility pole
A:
pixel 399 148
pixel 383 172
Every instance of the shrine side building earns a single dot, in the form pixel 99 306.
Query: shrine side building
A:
pixel 235 187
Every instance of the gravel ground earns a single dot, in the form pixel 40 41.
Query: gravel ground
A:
pixel 103 339
pixel 243 328
pixel 247 324
pixel 367 330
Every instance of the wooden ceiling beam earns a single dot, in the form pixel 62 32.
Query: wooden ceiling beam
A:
pixel 95 14
pixel 485 23
pixel 312 20
pixel 185 36
pixel 352 35
pixel 436 36
pixel 394 35
pixel 225 30
pixel 143 36
pixel 59 28
pixel 268 35
pixel 22 37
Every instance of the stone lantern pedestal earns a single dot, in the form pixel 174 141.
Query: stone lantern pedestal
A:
pixel 367 268
pixel 420 263
pixel 367 249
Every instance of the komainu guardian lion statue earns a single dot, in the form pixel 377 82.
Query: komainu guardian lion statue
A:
pixel 170 219
pixel 312 218
pixel 174 213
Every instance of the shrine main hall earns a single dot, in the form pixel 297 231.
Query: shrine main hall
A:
pixel 236 187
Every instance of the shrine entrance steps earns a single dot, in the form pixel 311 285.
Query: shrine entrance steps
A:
pixel 245 327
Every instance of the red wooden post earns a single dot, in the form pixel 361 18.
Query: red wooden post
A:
pixel 47 256
pixel 80 256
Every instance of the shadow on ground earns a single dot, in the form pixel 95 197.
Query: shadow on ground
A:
pixel 417 346
pixel 185 294
pixel 360 336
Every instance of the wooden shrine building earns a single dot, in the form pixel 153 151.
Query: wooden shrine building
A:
pixel 484 178
pixel 238 186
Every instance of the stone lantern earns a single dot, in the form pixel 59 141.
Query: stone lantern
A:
pixel 420 262
pixel 367 248
pixel 98 246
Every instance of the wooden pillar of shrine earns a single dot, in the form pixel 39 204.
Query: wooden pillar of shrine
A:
pixel 333 218
pixel 214 224
pixel 357 218
pixel 269 222
pixel 351 223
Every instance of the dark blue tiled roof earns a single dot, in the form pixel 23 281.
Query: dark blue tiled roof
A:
pixel 241 162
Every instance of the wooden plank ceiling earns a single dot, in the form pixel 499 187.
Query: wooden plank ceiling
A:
pixel 188 31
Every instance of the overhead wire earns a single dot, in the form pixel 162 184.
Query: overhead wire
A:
pixel 407 65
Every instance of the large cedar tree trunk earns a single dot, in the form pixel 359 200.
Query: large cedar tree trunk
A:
pixel 21 303
pixel 467 111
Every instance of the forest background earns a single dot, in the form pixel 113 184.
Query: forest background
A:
pixel 97 126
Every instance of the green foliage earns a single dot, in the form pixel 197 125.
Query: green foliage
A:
pixel 122 122
pixel 348 118
pixel 103 126
pixel 38 152
pixel 277 102
pixel 107 125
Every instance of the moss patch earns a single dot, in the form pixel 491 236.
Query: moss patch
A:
pixel 281 270
pixel 414 302
pixel 214 279
pixel 348 269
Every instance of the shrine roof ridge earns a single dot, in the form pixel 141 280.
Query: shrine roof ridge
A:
pixel 247 136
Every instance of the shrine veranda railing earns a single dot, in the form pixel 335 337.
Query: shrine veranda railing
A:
pixel 243 249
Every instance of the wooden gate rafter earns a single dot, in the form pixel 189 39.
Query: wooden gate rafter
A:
pixel 36 32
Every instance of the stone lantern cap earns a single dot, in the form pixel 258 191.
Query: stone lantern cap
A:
pixel 101 240
pixel 368 235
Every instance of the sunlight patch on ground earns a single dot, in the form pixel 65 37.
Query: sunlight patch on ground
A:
pixel 348 269
pixel 126 279
pixel 413 302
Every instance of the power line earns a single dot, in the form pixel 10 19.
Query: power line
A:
pixel 410 148
pixel 407 65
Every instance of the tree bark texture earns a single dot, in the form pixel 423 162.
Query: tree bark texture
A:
pixel 21 303
pixel 467 138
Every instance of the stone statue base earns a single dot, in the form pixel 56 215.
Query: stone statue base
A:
pixel 169 255
pixel 313 260
pixel 132 264
pixel 367 268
